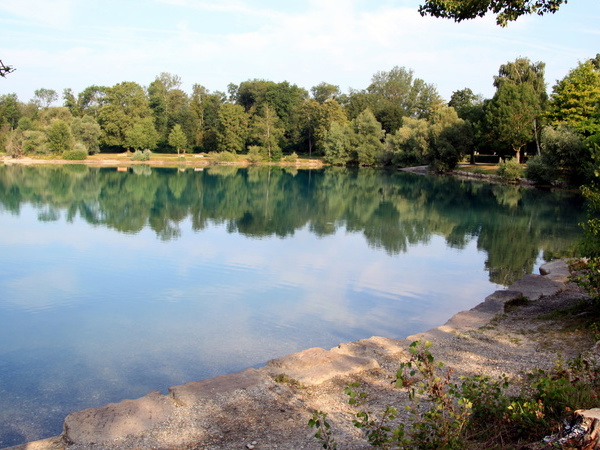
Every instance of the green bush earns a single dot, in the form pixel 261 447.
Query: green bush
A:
pixel 291 158
pixel 139 155
pixel 75 155
pixel 538 171
pixel 510 170
pixel 224 157
pixel 254 155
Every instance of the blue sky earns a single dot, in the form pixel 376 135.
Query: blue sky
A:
pixel 59 44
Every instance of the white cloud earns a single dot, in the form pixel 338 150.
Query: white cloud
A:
pixel 218 42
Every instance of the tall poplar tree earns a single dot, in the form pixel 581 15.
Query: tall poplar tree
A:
pixel 232 128
pixel 267 132
pixel 514 113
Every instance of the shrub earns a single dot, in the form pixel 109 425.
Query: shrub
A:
pixel 224 157
pixel 254 155
pixel 139 155
pixel 538 171
pixel 75 155
pixel 291 158
pixel 510 170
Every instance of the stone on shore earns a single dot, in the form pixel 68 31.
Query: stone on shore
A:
pixel 195 391
pixel 316 365
pixel 116 420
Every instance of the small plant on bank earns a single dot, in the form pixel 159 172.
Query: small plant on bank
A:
pixel 323 433
pixel 441 425
pixel 140 155
pixel 75 155
pixel 510 170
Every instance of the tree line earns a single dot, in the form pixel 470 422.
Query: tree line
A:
pixel 398 120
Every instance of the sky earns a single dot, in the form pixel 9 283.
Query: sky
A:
pixel 58 44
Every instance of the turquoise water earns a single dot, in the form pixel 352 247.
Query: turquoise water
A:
pixel 115 284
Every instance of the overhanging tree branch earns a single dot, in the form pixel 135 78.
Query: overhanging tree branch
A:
pixel 505 10
pixel 5 70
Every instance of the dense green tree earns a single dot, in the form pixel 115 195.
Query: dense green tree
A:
pixel 49 115
pixel 91 99
pixel 467 104
pixel 70 101
pixel 505 10
pixel 43 97
pixel 170 106
pixel 409 145
pixel 267 133
pixel 368 136
pixel 197 106
pixel 440 142
pixel 392 96
pixel 232 128
pixel 565 156
pixel 399 88
pixel 337 143
pixel 523 71
pixel 204 117
pixel 510 115
pixel 285 99
pixel 314 120
pixel 60 138
pixel 252 93
pixel 178 139
pixel 323 92
pixel 124 105
pixel 10 112
pixel 514 114
pixel 450 139
pixel 87 131
pixel 471 107
pixel 142 135
pixel 575 99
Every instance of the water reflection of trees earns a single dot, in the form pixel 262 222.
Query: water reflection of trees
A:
pixel 392 210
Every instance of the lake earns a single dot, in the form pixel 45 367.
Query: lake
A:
pixel 115 283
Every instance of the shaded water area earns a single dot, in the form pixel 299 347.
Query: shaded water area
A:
pixel 113 284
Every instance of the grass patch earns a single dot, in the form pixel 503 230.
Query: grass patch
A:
pixel 483 169
pixel 285 379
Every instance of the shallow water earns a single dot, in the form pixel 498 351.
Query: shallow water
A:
pixel 116 284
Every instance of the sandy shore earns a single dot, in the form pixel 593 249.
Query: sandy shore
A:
pixel 118 160
pixel 269 408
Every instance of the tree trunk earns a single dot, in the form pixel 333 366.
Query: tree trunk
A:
pixel 518 154
pixel 537 139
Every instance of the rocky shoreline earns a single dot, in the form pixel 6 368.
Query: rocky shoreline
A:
pixel 269 407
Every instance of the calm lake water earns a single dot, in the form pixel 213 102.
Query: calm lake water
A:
pixel 113 284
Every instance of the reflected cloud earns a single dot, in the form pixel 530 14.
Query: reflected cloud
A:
pixel 40 290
